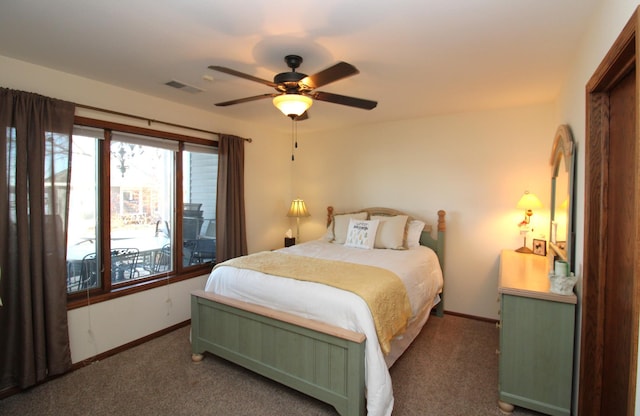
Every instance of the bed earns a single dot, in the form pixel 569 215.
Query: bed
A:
pixel 312 336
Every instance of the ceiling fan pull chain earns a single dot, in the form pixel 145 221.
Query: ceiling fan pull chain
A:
pixel 292 140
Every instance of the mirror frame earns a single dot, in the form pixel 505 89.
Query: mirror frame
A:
pixel 563 150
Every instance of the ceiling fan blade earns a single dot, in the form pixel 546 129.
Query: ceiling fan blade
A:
pixel 344 100
pixel 245 100
pixel 331 74
pixel 241 75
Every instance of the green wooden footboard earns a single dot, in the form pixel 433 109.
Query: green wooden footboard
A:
pixel 320 360
pixel 323 361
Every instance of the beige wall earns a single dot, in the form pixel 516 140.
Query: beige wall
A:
pixel 475 166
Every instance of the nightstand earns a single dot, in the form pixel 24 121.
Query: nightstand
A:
pixel 536 337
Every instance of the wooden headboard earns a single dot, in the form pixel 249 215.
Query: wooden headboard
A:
pixel 428 228
pixel 426 239
pixel 390 212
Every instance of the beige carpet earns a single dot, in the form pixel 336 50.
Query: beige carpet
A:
pixel 451 369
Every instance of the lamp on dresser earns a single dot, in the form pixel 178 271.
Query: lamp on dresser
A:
pixel 528 202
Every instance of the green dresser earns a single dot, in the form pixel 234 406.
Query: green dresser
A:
pixel 536 337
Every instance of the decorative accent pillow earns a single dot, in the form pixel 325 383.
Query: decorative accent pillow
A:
pixel 391 231
pixel 361 233
pixel 340 224
pixel 414 231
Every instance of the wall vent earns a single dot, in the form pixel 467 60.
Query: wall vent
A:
pixel 184 87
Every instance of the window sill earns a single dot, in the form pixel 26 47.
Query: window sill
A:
pixel 80 299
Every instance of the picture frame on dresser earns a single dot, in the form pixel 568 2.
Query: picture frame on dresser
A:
pixel 539 247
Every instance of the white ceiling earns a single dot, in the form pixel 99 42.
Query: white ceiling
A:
pixel 416 57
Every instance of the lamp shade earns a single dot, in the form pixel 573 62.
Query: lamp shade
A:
pixel 292 104
pixel 565 204
pixel 529 201
pixel 298 209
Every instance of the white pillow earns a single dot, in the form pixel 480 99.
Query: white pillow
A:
pixel 328 235
pixel 391 231
pixel 361 233
pixel 414 231
pixel 341 223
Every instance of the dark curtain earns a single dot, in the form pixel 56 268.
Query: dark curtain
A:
pixel 34 183
pixel 231 233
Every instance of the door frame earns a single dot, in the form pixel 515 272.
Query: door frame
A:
pixel 621 58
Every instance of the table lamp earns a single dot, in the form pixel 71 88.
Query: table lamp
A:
pixel 298 209
pixel 527 202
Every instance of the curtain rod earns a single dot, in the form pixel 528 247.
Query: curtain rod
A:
pixel 149 121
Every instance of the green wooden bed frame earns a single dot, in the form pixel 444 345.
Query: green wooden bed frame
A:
pixel 323 361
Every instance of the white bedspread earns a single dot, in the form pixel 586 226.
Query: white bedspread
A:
pixel 417 267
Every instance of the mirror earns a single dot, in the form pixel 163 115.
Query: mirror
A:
pixel 562 234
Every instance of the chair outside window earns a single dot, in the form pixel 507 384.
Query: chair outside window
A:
pixel 204 251
pixel 123 264
pixel 211 229
pixel 187 252
pixel 74 275
pixel 192 220
pixel 88 272
pixel 163 229
pixel 191 228
pixel 162 260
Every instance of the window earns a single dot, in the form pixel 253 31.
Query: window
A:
pixel 133 223
pixel 83 226
pixel 200 172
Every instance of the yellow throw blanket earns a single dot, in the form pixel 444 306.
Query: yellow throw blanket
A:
pixel 383 290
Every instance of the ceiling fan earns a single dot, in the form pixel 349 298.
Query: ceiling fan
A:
pixel 296 91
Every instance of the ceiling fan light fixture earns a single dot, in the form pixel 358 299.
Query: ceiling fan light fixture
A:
pixel 292 105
